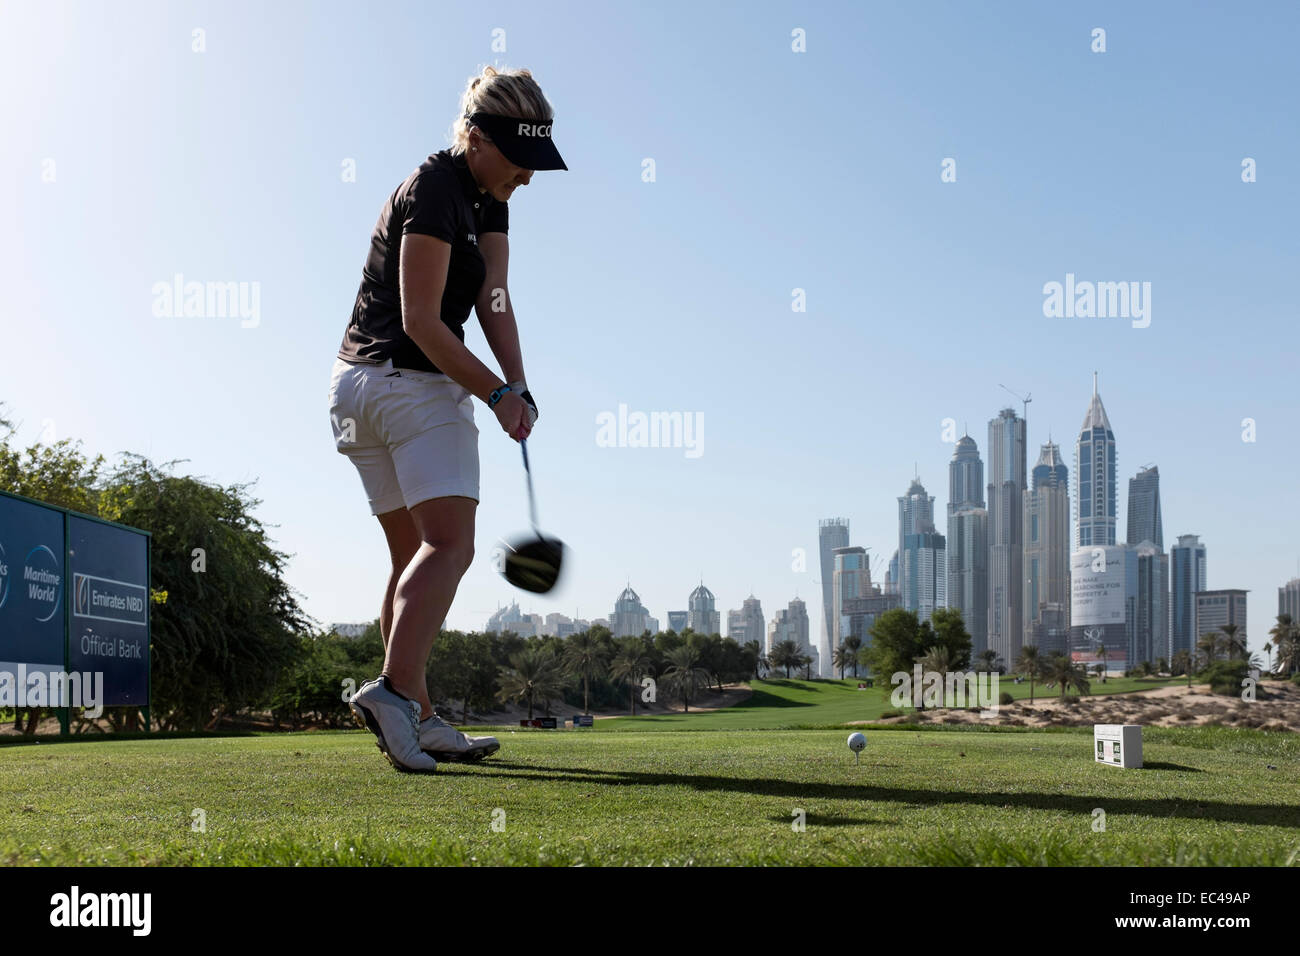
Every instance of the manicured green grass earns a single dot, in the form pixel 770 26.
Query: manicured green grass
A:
pixel 936 797
pixel 799 704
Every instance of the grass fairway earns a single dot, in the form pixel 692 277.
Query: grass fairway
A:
pixel 579 797
pixel 781 704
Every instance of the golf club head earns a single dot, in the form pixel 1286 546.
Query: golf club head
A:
pixel 533 563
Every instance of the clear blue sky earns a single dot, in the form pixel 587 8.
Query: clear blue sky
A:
pixel 776 170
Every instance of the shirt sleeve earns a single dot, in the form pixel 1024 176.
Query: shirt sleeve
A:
pixel 496 218
pixel 431 208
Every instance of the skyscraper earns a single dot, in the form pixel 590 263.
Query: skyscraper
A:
pixel 702 616
pixel 1214 609
pixel 1047 553
pixel 1094 469
pixel 968 542
pixel 630 617
pixel 746 624
pixel 1006 534
pixel 1288 599
pixel 832 533
pixel 922 553
pixel 791 624
pixel 1151 637
pixel 1187 577
pixel 851 579
pixel 1144 508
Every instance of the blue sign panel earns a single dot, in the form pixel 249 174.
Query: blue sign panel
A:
pixel 108 571
pixel 32 583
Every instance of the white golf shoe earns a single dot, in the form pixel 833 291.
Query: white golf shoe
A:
pixel 445 742
pixel 395 722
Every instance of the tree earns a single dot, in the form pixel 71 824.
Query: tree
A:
pixel 585 656
pixel 950 633
pixel 843 658
pixel 630 664
pixel 897 640
pixel 534 676
pixel 854 644
pixel 1232 644
pixel 224 633
pixel 989 662
pixel 1065 673
pixel 1286 641
pixel 761 662
pixel 1181 663
pixel 1030 664
pixel 785 654
pixel 1208 646
pixel 684 676
pixel 461 668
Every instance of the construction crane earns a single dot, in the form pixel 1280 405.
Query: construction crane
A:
pixel 1024 399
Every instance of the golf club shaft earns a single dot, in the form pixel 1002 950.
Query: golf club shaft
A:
pixel 532 503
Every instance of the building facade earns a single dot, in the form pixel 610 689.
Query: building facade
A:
pixel 1187 578
pixel 1095 483
pixel 1046 524
pixel 1214 609
pixel 968 542
pixel 832 533
pixel 1103 605
pixel 1144 522
pixel 1006 491
pixel 630 617
pixel 701 612
pixel 1151 641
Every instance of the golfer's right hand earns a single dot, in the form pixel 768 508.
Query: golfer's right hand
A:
pixel 512 413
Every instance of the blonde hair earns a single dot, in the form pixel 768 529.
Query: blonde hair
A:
pixel 503 92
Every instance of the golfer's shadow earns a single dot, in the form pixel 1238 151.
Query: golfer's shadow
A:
pixel 1262 814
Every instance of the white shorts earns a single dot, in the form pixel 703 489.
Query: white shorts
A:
pixel 411 434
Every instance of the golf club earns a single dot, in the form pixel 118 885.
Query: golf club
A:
pixel 533 564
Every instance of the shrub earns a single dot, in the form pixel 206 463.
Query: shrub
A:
pixel 1006 698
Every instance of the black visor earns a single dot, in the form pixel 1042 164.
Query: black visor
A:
pixel 526 143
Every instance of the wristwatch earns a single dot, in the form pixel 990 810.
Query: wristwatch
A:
pixel 496 395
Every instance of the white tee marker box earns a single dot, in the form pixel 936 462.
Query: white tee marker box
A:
pixel 1119 745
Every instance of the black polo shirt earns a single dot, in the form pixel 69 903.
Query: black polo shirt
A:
pixel 439 199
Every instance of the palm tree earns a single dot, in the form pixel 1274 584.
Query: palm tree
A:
pixel 785 654
pixel 843 657
pixel 534 676
pixel 854 644
pixel 684 676
pixel 805 661
pixel 1029 664
pixel 760 662
pixel 1182 660
pixel 1209 646
pixel 631 664
pixel 585 656
pixel 1234 645
pixel 937 660
pixel 1063 672
pixel 990 661
pixel 1101 669
pixel 1288 654
pixel 1284 634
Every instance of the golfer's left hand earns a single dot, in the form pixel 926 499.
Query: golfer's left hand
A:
pixel 527 396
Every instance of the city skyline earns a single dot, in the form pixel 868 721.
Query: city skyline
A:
pixel 913 273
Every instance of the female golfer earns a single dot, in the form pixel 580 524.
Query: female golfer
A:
pixel 402 390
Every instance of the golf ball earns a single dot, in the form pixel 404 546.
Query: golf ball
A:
pixel 857 742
